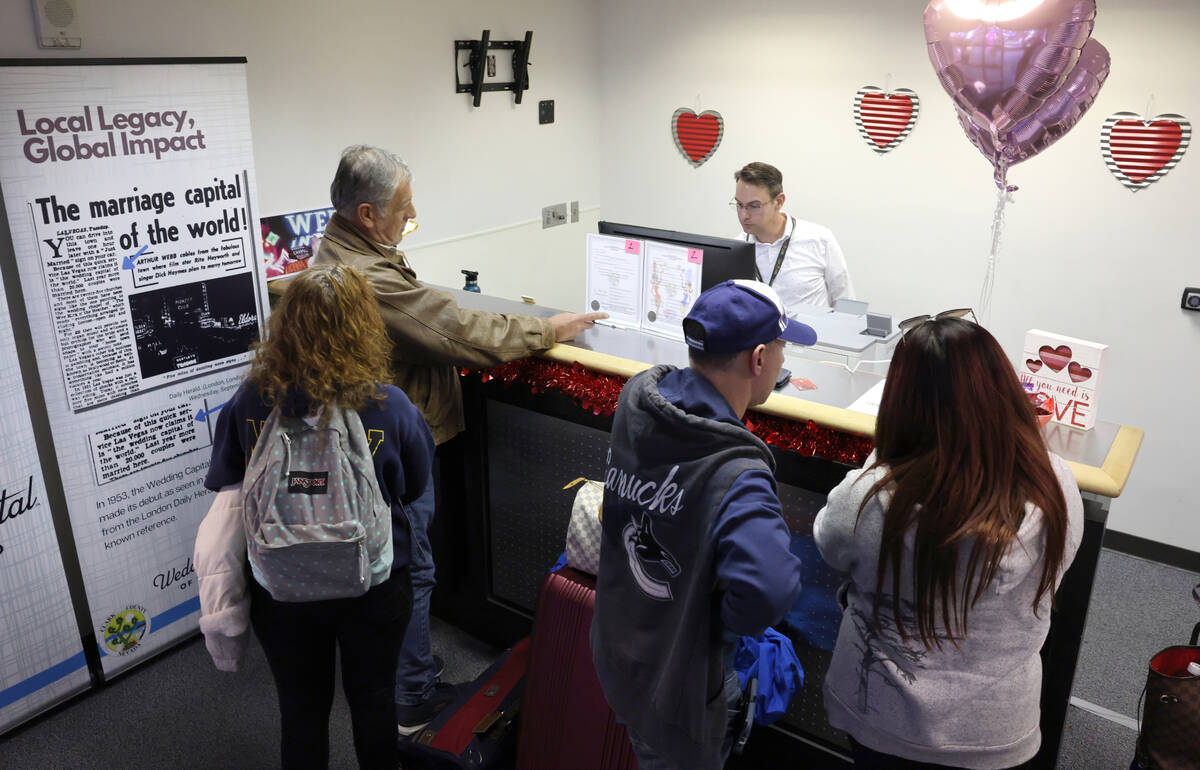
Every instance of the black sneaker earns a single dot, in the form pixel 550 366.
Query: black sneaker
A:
pixel 410 719
pixel 439 666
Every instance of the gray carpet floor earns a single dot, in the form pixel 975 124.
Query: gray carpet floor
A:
pixel 1138 607
pixel 177 711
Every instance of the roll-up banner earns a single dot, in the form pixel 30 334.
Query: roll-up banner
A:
pixel 41 658
pixel 131 200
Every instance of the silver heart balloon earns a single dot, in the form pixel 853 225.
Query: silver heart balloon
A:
pixel 1021 72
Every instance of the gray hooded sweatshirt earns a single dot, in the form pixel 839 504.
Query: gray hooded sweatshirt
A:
pixel 974 705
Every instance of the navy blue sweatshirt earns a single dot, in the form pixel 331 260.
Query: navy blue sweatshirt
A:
pixel 401 446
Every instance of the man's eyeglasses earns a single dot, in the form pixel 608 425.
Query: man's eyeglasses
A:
pixel 917 320
pixel 753 206
pixel 409 226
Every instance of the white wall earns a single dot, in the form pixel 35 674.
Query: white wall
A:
pixel 325 75
pixel 1081 254
pixel 550 277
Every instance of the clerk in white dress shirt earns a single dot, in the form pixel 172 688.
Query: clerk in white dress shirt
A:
pixel 800 260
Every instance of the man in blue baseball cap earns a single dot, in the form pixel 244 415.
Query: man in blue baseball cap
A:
pixel 694 550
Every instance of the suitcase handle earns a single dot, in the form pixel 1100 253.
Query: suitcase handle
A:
pixel 499 716
pixel 1196 628
pixel 486 723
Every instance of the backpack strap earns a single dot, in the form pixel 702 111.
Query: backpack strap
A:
pixel 251 517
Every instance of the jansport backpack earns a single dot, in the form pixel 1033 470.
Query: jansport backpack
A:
pixel 315 518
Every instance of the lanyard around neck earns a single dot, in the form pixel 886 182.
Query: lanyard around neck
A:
pixel 779 259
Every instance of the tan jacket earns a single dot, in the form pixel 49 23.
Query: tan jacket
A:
pixel 431 333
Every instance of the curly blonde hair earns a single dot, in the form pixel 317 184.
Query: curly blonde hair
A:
pixel 326 341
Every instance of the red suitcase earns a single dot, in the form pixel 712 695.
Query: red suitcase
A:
pixel 477 731
pixel 565 720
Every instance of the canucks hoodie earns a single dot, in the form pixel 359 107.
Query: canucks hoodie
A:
pixel 694 549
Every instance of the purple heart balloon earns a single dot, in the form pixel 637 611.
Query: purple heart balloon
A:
pixel 1056 116
pixel 1016 70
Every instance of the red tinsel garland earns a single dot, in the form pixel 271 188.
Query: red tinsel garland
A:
pixel 598 394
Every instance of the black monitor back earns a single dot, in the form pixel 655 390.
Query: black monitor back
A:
pixel 724 258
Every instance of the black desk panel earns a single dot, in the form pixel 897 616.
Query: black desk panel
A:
pixel 502 523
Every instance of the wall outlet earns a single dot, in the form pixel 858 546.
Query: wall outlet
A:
pixel 555 215
pixel 574 211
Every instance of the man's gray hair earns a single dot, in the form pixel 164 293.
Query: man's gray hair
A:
pixel 366 175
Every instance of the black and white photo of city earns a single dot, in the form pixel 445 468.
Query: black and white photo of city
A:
pixel 182 326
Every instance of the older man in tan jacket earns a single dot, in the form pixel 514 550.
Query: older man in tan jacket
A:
pixel 372 195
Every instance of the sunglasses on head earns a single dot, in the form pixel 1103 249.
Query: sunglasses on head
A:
pixel 917 320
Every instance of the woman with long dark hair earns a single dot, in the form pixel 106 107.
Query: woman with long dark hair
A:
pixel 327 349
pixel 955 535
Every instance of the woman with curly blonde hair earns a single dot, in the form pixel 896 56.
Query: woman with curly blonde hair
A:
pixel 326 348
pixel 325 341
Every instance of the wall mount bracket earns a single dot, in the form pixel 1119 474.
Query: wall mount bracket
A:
pixel 478 59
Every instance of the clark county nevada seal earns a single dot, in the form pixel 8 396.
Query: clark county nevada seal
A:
pixel 123 631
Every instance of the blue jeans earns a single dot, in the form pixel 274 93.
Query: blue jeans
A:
pixel 649 759
pixel 414 667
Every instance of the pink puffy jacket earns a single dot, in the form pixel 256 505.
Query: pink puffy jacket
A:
pixel 220 561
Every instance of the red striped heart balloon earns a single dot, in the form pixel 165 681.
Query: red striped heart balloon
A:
pixel 697 136
pixel 885 119
pixel 1140 151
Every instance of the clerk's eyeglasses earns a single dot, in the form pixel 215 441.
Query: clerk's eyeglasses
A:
pixel 409 226
pixel 753 206
pixel 911 323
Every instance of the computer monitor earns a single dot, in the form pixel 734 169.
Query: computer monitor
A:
pixel 724 258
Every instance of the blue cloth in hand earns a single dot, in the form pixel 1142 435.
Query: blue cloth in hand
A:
pixel 772 659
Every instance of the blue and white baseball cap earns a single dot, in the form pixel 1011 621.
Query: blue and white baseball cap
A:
pixel 738 315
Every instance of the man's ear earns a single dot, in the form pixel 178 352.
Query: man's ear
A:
pixel 758 360
pixel 366 214
pixel 779 199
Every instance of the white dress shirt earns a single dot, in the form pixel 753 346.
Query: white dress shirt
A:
pixel 814 269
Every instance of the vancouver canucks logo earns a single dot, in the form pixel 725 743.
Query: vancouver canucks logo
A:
pixel 644 551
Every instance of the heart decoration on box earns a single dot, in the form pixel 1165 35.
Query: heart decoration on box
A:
pixel 1140 151
pixel 885 119
pixel 1078 372
pixel 1055 358
pixel 697 136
